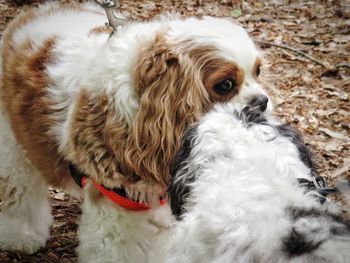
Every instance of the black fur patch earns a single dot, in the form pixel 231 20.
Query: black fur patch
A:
pixel 179 190
pixel 296 243
pixel 259 102
pixel 253 113
pixel 296 138
pixel 296 213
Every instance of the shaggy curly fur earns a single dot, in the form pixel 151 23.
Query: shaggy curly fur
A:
pixel 237 199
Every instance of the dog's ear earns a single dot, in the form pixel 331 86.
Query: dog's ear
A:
pixel 183 175
pixel 169 102
pixel 96 140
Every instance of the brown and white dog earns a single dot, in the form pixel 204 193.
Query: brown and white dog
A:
pixel 113 107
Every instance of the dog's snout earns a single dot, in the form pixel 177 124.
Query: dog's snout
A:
pixel 259 102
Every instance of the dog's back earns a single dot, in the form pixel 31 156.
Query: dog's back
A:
pixel 54 19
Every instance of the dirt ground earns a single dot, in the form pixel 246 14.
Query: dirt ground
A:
pixel 306 71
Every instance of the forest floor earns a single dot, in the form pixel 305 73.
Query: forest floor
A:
pixel 306 46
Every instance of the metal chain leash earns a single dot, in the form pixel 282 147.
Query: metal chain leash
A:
pixel 114 20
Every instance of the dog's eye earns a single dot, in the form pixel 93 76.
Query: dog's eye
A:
pixel 257 71
pixel 225 87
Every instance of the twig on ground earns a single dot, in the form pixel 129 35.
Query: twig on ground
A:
pixel 342 65
pixel 66 248
pixel 319 62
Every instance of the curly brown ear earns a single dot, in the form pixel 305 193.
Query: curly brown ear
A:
pixel 96 140
pixel 171 97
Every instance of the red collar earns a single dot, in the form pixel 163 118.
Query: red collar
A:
pixel 115 197
pixel 121 200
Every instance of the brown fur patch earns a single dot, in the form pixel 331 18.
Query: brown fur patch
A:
pixel 25 97
pixel 98 140
pixel 100 30
pixel 256 68
pixel 218 70
pixel 15 24
pixel 215 69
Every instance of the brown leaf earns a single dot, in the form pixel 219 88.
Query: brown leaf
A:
pixel 334 145
pixel 335 135
pixel 345 168
pixel 53 256
pixel 59 196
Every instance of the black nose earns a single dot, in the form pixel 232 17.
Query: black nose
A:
pixel 259 102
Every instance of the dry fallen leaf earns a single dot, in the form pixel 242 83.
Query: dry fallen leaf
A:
pixel 53 256
pixel 342 170
pixel 59 196
pixel 334 145
pixel 337 135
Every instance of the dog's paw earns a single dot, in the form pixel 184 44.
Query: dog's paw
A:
pixel 259 103
pixel 251 115
pixel 23 243
pixel 254 111
pixel 17 236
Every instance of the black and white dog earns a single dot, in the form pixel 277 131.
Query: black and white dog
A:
pixel 238 196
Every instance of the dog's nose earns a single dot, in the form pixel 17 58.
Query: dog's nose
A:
pixel 259 102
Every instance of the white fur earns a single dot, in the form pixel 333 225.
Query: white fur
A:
pixel 65 23
pixel 108 233
pixel 237 208
pixel 25 211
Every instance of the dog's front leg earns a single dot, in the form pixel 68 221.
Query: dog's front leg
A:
pixel 109 233
pixel 25 213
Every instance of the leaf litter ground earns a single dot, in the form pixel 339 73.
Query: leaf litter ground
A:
pixel 306 46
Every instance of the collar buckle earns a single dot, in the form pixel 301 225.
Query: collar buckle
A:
pixel 319 185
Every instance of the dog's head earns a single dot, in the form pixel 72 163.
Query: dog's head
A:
pixel 188 66
pixel 157 78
